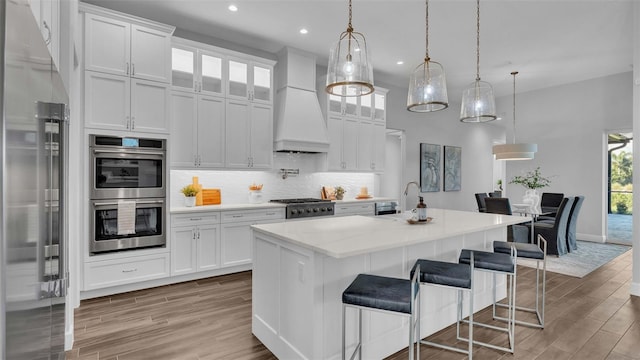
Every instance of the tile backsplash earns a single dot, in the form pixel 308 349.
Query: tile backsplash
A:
pixel 234 185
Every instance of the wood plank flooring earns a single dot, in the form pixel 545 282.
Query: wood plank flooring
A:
pixel 589 318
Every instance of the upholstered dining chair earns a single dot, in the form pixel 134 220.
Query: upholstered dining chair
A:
pixel 572 245
pixel 515 233
pixel 550 202
pixel 480 200
pixel 555 233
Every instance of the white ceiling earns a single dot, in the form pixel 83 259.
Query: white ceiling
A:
pixel 550 42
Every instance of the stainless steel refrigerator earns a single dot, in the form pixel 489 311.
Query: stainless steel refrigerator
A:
pixel 33 237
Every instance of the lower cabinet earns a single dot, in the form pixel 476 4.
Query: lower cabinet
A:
pixel 101 274
pixel 195 243
pixel 366 209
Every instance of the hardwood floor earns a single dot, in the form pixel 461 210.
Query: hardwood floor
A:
pixel 589 318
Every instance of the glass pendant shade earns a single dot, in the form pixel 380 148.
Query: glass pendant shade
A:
pixel 515 151
pixel 350 72
pixel 478 103
pixel 427 88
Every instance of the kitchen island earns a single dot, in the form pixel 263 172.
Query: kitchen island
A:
pixel 300 269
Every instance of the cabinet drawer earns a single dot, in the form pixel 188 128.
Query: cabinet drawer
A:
pixel 252 215
pixel 195 218
pixel 101 274
pixel 355 209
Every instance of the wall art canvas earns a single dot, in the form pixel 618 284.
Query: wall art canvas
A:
pixel 430 156
pixel 452 179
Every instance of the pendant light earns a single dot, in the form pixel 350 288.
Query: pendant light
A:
pixel 427 85
pixel 478 102
pixel 350 72
pixel 514 151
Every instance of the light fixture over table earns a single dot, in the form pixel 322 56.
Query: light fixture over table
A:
pixel 478 102
pixel 350 72
pixel 427 85
pixel 514 151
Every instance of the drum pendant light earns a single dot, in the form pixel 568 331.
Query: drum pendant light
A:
pixel 350 72
pixel 427 85
pixel 514 151
pixel 478 102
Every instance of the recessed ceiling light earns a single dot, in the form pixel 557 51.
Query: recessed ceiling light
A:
pixel 304 31
pixel 233 8
pixel 400 62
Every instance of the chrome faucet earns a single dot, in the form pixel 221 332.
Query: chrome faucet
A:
pixel 406 189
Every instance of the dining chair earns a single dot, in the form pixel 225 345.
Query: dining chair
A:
pixel 572 245
pixel 515 233
pixel 480 200
pixel 555 233
pixel 549 202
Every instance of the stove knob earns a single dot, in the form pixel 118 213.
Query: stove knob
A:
pixel 323 209
pixel 316 210
pixel 294 211
pixel 309 210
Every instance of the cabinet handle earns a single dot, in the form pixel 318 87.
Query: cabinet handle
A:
pixel 199 160
pixel 129 271
pixel 270 213
pixel 127 71
pixel 195 160
pixel 128 122
pixel 48 40
pixel 133 69
pixel 193 234
pixel 133 122
pixel 195 219
pixel 198 234
pixel 237 216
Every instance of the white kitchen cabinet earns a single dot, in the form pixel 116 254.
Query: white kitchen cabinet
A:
pixel 117 45
pixel 248 135
pixel 380 104
pixel 366 145
pixel 195 243
pixel 120 103
pixel 127 270
pixel 197 70
pixel 236 244
pixel 47 15
pixel 250 80
pixel 197 130
pixel 365 209
pixel 343 145
pixel 379 144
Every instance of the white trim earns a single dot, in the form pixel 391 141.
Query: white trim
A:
pixel 591 237
pixel 68 340
pixel 634 289
pixel 93 9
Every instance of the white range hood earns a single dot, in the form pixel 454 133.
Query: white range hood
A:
pixel 299 124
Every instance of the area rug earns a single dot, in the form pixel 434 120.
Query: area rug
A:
pixel 588 257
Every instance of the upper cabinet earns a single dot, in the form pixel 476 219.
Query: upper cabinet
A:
pixel 118 44
pixel 250 80
pixel 47 15
pixel 127 62
pixel 197 70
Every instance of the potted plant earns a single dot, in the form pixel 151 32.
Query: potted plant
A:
pixel 339 192
pixel 189 193
pixel 532 181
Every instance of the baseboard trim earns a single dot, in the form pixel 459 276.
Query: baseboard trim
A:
pixel 635 289
pixel 68 340
pixel 591 237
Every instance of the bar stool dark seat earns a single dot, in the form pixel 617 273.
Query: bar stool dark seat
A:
pixel 450 275
pixel 537 252
pixel 496 263
pixel 385 294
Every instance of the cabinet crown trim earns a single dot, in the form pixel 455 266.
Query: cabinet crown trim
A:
pixel 97 10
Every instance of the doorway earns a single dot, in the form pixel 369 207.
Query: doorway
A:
pixel 620 188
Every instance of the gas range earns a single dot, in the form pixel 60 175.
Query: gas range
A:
pixel 306 207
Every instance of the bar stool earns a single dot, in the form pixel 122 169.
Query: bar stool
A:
pixel 453 276
pixel 384 294
pixel 539 254
pixel 496 263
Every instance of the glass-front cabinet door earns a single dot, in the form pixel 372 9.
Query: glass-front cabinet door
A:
pixel 262 91
pixel 366 106
pixel 380 106
pixel 211 73
pixel 238 79
pixel 183 65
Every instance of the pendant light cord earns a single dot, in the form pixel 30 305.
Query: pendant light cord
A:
pixel 426 45
pixel 478 40
pixel 349 27
pixel 514 73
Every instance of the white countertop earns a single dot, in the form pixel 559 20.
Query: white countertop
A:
pixel 265 205
pixel 341 237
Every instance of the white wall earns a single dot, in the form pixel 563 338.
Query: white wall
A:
pixel 569 123
pixel 444 128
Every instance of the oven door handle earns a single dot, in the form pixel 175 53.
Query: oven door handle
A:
pixel 134 152
pixel 137 202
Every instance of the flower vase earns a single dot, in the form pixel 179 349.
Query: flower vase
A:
pixel 532 198
pixel 189 201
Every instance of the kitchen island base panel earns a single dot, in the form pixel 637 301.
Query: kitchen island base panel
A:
pixel 297 308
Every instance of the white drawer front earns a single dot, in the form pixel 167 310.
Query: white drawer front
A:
pixel 195 219
pixel 252 215
pixel 101 274
pixel 355 209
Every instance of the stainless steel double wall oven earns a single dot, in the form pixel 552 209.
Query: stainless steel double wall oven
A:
pixel 126 170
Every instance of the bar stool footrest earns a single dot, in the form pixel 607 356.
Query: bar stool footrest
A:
pixel 445 347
